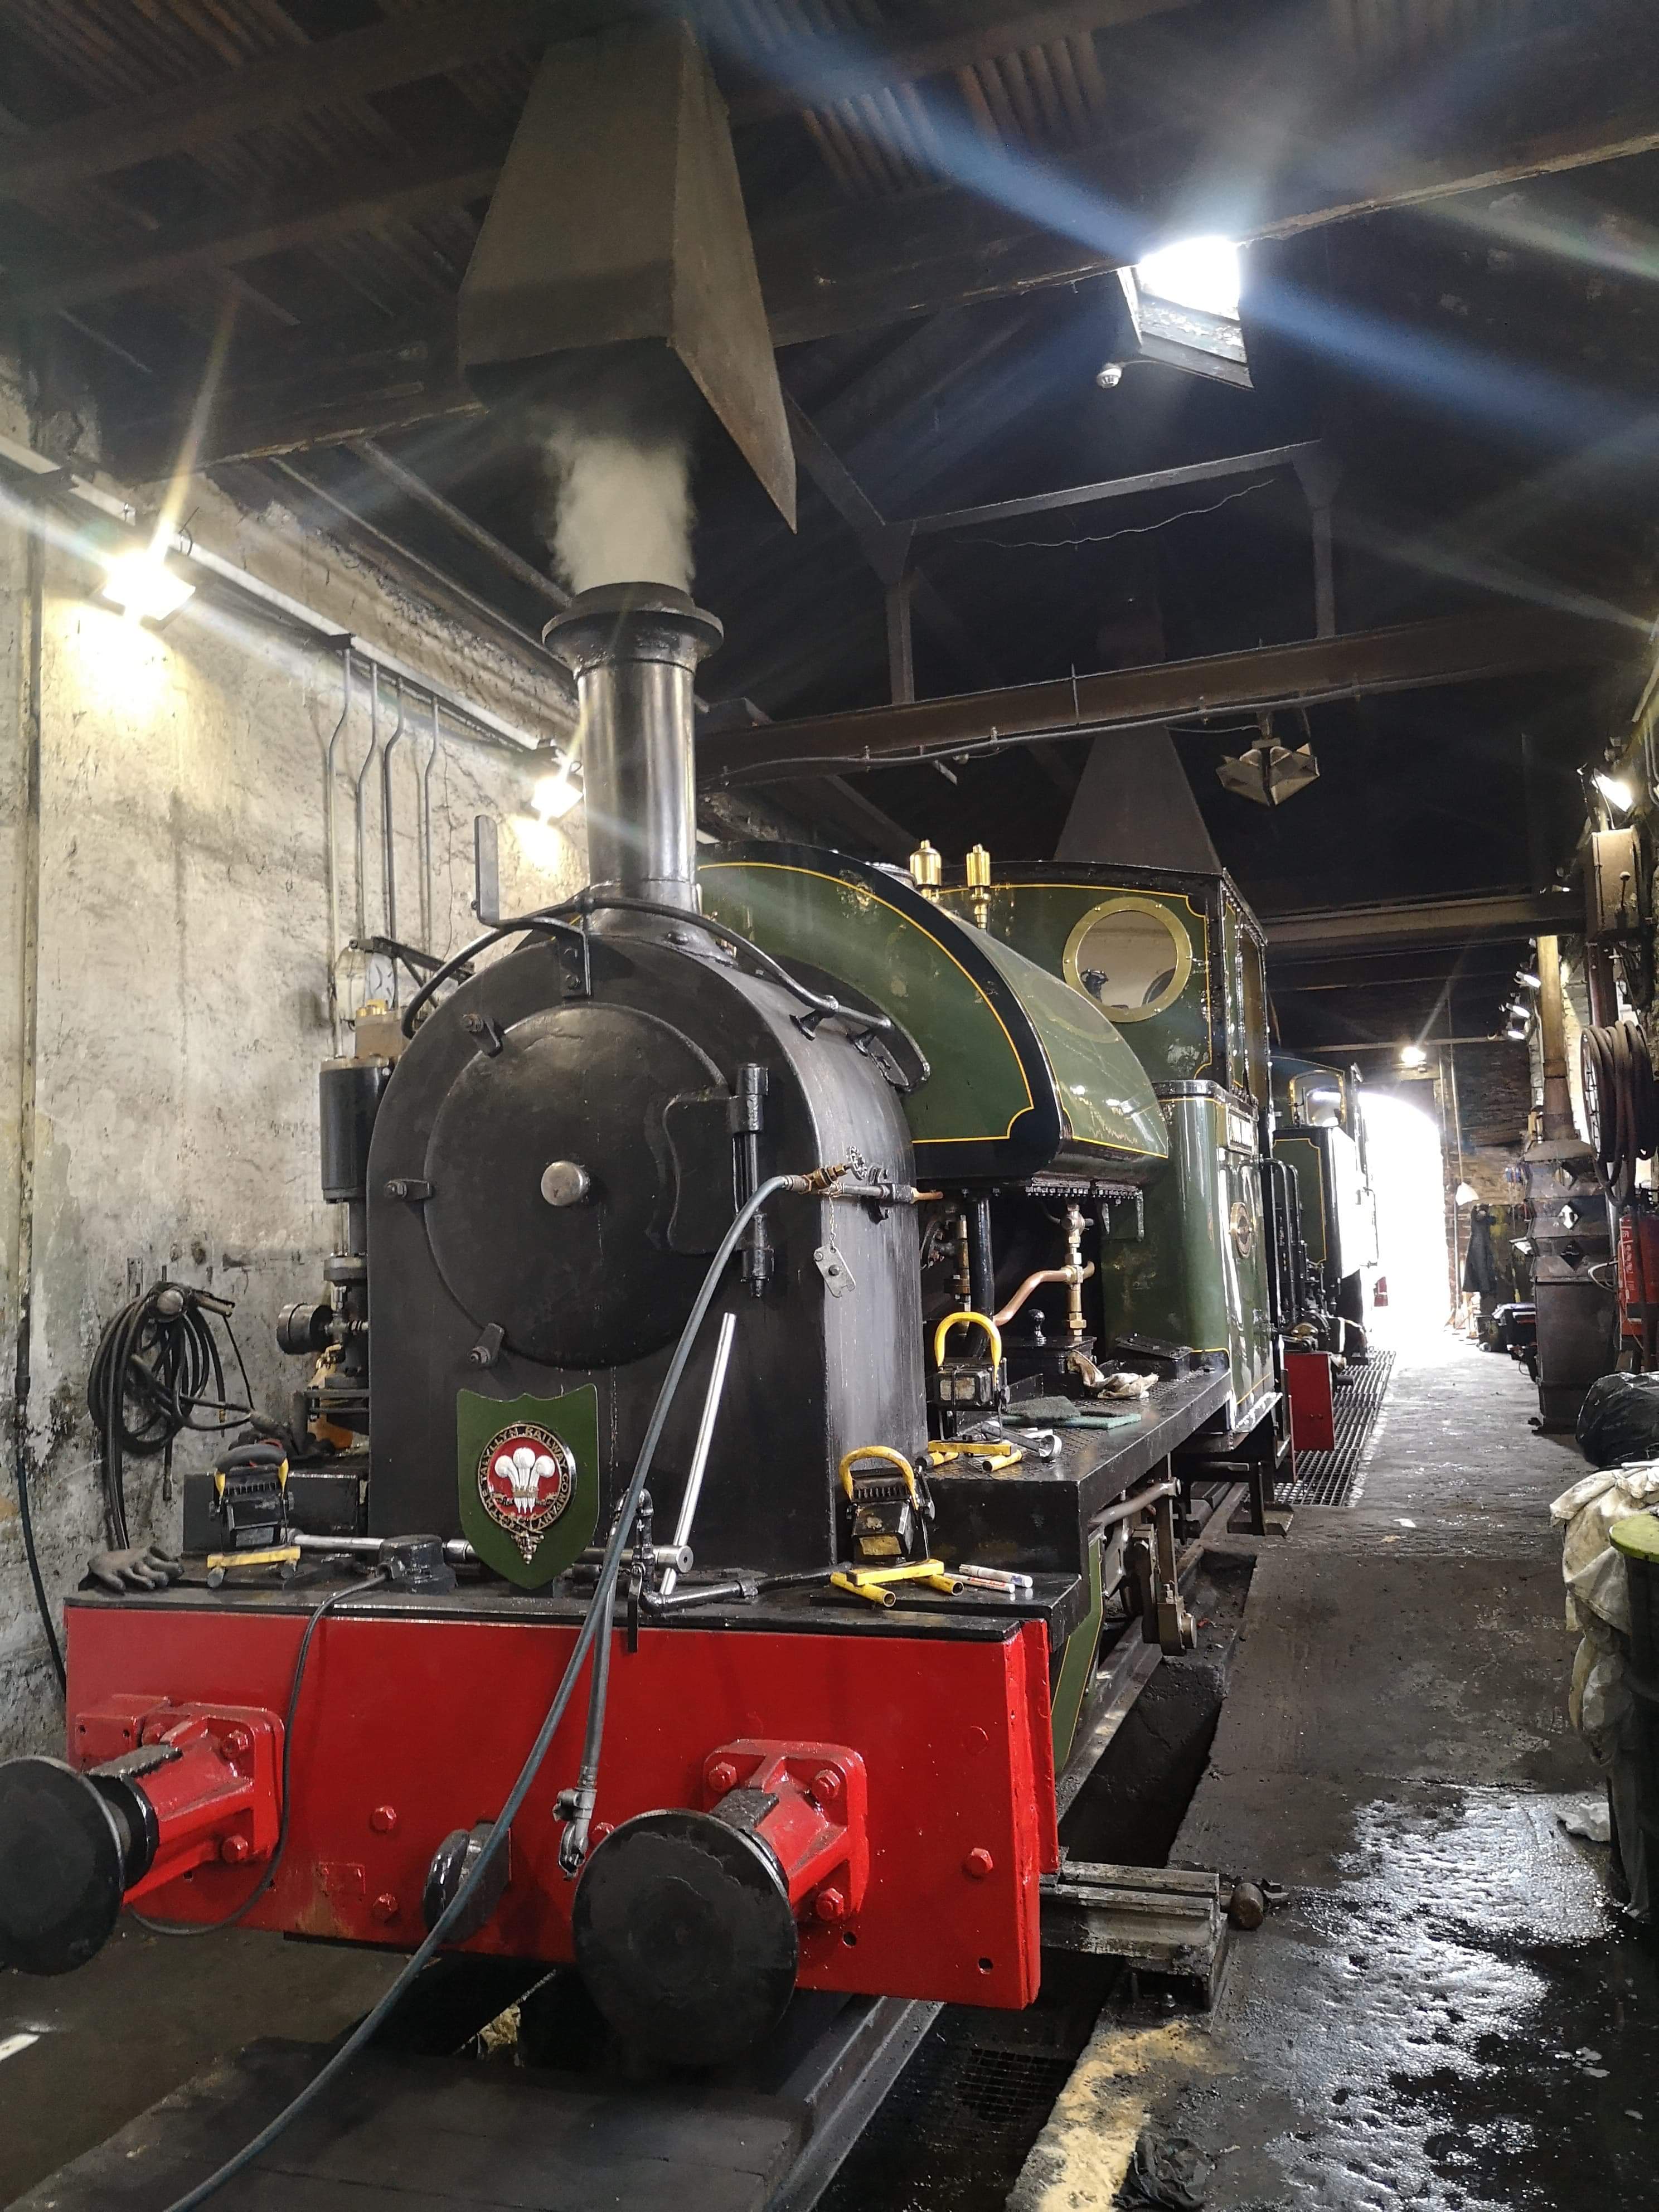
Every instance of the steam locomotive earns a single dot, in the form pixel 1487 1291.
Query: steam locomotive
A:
pixel 1324 1204
pixel 779 1306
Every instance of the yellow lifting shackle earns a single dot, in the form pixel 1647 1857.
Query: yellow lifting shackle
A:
pixel 887 1452
pixel 993 1333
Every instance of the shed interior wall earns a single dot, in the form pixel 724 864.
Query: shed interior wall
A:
pixel 180 964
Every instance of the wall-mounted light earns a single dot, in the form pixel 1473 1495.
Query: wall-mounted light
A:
pixel 1412 1056
pixel 555 795
pixel 1615 789
pixel 140 583
pixel 1527 981
pixel 1465 1194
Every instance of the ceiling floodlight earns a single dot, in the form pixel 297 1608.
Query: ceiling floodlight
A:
pixel 1183 306
pixel 1269 773
pixel 1527 981
pixel 1465 1194
pixel 1615 789
pixel 143 586
pixel 1412 1056
pixel 555 795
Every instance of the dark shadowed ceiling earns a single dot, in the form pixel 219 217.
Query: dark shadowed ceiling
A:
pixel 243 224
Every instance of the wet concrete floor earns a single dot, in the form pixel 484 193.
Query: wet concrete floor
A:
pixel 1448 2011
pixel 82 2054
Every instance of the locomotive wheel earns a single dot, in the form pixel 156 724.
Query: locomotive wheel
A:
pixel 684 1937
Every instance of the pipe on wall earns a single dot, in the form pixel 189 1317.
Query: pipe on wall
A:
pixel 1553 1036
pixel 330 856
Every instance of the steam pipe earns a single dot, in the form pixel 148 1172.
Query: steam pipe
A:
pixel 330 808
pixel 425 832
pixel 633 650
pixel 1552 1034
pixel 360 801
pixel 711 1406
pixel 389 833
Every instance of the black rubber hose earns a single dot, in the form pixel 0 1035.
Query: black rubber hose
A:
pixel 596 1612
pixel 159 1355
pixel 43 1606
pixel 545 921
pixel 591 901
pixel 241 1912
pixel 1621 1103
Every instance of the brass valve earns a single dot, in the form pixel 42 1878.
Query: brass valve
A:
pixel 979 883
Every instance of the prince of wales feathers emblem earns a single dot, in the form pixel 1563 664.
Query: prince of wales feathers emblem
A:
pixel 526 1476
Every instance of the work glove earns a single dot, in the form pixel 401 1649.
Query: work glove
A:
pixel 139 1567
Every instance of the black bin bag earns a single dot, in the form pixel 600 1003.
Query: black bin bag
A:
pixel 1619 1420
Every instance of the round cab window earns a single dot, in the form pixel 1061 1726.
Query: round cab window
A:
pixel 1131 957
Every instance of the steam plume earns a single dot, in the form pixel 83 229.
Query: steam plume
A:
pixel 616 451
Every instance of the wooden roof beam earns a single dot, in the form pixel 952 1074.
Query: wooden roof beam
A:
pixel 353 65
pixel 1415 656
pixel 846 269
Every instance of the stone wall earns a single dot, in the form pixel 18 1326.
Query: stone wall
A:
pixel 164 963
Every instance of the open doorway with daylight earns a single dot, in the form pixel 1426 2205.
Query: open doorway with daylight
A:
pixel 1404 1148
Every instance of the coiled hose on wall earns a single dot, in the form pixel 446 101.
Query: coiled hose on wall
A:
pixel 157 1372
pixel 1621 1103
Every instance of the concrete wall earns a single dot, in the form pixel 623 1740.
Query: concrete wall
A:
pixel 176 862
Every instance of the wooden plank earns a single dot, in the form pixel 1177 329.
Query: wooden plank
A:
pixel 395 191
pixel 353 63
pixel 320 393
pixel 425 494
pixel 412 46
pixel 820 71
pixel 847 268
pixel 1459 649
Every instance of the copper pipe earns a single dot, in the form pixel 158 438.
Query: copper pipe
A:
pixel 1073 1278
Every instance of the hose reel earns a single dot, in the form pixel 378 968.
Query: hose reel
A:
pixel 1621 1103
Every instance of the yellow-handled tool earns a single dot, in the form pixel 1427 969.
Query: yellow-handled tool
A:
pixel 993 1334
pixel 887 1452
pixel 993 1457
pixel 875 1583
